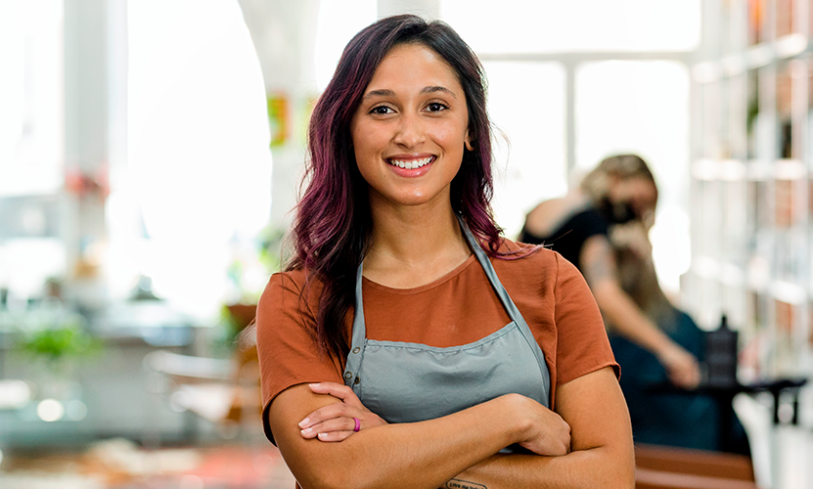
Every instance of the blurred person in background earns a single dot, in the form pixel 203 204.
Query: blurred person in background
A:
pixel 620 190
pixel 453 357
pixel 663 416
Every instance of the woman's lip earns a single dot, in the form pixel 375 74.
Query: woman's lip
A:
pixel 413 156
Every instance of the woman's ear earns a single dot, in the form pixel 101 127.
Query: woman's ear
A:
pixel 467 140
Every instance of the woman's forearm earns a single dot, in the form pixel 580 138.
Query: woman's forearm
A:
pixel 420 455
pixel 602 455
pixel 629 321
pixel 598 467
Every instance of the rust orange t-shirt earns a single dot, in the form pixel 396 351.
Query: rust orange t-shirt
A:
pixel 459 308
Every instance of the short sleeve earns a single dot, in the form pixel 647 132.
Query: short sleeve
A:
pixel 583 346
pixel 286 344
pixel 591 223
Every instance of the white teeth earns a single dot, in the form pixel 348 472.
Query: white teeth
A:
pixel 411 164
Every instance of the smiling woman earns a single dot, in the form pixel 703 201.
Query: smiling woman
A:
pixel 408 340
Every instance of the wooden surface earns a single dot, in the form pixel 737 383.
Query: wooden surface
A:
pixel 660 467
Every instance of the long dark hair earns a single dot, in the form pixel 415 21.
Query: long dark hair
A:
pixel 333 224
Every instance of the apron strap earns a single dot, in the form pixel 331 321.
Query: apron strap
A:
pixel 359 337
pixel 508 304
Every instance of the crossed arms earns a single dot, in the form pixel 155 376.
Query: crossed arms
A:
pixel 586 442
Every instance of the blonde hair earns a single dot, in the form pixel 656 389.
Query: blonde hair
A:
pixel 596 184
pixel 637 276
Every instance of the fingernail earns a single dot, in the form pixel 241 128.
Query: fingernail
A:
pixel 316 384
pixel 307 431
pixel 304 422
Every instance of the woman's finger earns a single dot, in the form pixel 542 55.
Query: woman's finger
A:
pixel 339 391
pixel 330 426
pixel 336 410
pixel 333 436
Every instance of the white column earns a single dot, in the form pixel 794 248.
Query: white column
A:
pixel 95 120
pixel 284 35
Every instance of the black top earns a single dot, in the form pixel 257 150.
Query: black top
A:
pixel 569 238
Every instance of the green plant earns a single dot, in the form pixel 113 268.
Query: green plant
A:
pixel 56 345
pixel 271 247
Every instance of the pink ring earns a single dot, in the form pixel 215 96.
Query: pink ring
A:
pixel 358 425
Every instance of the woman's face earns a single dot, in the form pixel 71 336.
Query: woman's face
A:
pixel 637 192
pixel 411 127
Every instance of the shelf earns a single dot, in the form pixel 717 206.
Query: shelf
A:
pixel 752 209
pixel 755 57
pixel 754 281
pixel 733 65
pixel 759 171
pixel 705 170
pixel 790 170
pixel 710 170
pixel 788 292
pixel 790 46
pixel 759 56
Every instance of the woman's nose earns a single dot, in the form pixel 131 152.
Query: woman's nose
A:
pixel 410 131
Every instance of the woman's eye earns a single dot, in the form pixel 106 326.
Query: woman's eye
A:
pixel 381 110
pixel 436 107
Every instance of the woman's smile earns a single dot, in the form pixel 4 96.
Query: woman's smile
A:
pixel 411 166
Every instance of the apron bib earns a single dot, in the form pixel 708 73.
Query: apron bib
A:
pixel 409 382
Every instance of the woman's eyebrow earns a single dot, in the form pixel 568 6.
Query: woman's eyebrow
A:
pixel 379 93
pixel 437 88
pixel 385 92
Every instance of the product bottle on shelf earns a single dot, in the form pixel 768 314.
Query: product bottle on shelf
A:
pixel 721 356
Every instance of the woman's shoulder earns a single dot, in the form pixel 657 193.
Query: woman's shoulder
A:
pixel 297 283
pixel 534 266
pixel 526 259
pixel 524 251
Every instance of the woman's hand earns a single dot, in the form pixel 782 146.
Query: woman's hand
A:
pixel 633 236
pixel 337 422
pixel 545 432
pixel 681 366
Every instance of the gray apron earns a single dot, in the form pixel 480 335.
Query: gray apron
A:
pixel 409 382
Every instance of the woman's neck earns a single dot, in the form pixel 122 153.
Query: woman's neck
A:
pixel 414 246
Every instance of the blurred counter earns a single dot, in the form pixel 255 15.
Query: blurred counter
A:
pixel 102 394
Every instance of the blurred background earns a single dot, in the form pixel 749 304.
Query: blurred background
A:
pixel 150 155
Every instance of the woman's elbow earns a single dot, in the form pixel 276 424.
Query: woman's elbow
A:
pixel 323 476
pixel 616 469
pixel 627 479
pixel 332 474
pixel 623 474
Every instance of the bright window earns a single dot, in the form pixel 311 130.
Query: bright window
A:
pixel 339 21
pixel 199 165
pixel 526 103
pixel 528 26
pixel 31 94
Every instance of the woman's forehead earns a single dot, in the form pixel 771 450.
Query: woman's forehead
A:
pixel 414 65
